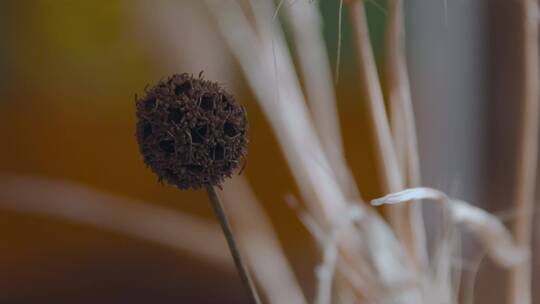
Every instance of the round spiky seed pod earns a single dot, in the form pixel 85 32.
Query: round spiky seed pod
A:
pixel 191 132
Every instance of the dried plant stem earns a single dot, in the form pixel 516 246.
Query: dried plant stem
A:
pixel 261 245
pixel 82 205
pixel 306 26
pixel 392 179
pixel 233 247
pixel 489 229
pixel 520 281
pixel 403 122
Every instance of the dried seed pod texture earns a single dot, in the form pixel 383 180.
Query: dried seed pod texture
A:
pixel 191 132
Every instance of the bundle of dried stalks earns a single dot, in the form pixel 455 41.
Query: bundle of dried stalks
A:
pixel 374 267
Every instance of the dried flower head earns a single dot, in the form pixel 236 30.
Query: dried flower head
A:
pixel 191 132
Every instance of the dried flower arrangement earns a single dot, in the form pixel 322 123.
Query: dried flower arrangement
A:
pixel 193 134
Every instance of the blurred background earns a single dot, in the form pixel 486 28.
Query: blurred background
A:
pixel 69 71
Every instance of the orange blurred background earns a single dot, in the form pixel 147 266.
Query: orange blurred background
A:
pixel 70 73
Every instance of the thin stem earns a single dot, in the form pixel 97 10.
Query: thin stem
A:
pixel 403 122
pixel 520 280
pixel 392 180
pixel 306 28
pixel 233 247
pixel 256 234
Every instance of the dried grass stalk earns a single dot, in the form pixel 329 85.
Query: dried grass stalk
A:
pixel 82 205
pixel 521 280
pixel 403 122
pixel 306 26
pixel 261 245
pixel 392 181
pixel 487 228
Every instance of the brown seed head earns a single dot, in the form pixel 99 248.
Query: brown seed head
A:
pixel 191 132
